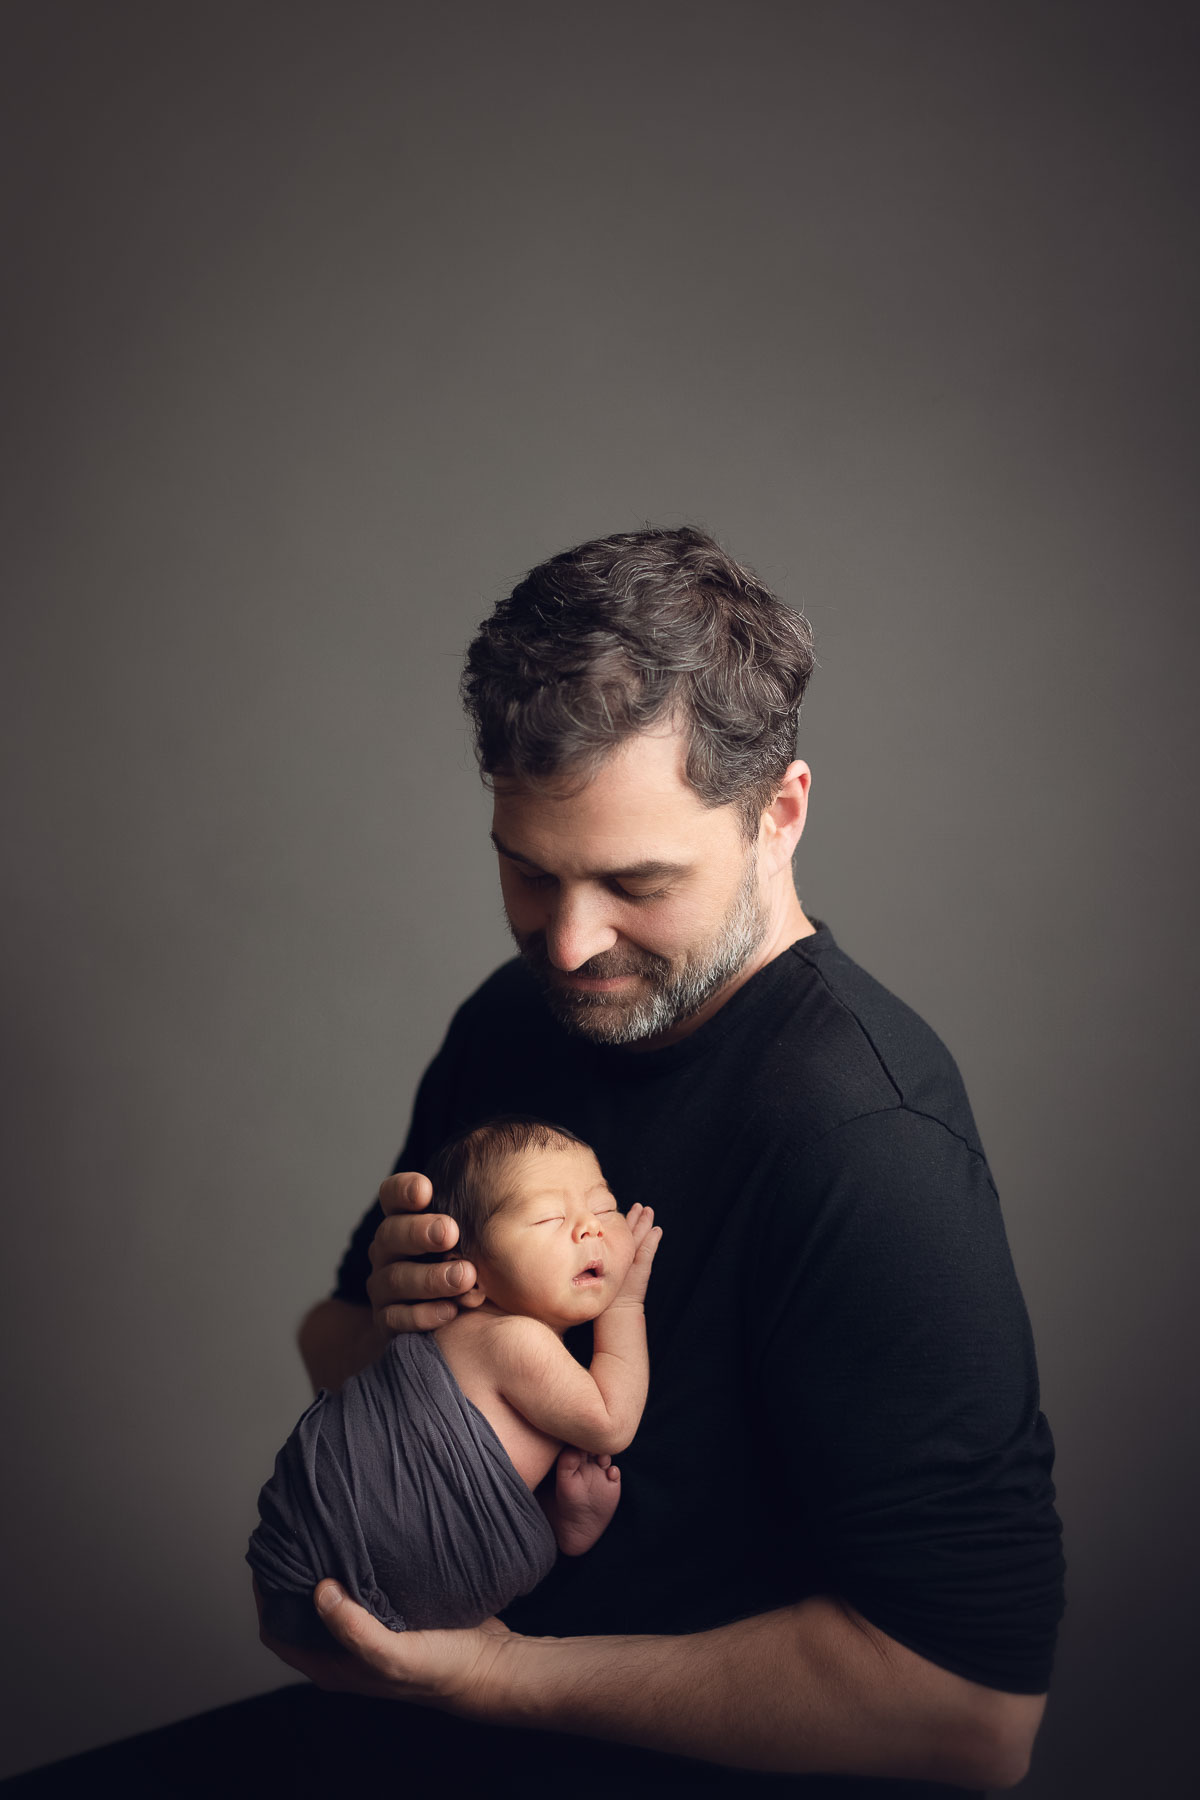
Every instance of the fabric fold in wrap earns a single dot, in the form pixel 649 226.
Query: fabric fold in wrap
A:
pixel 398 1488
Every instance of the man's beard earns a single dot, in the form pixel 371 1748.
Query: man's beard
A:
pixel 676 991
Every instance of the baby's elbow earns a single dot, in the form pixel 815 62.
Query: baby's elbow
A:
pixel 606 1437
pixel 605 1443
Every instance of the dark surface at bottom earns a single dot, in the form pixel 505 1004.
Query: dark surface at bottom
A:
pixel 300 1742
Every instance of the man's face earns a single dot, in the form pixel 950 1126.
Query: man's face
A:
pixel 631 901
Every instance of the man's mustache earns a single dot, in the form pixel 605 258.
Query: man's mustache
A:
pixel 604 967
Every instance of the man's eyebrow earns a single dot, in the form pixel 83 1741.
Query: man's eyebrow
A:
pixel 650 869
pixel 512 855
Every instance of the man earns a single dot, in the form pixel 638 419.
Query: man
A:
pixel 836 1549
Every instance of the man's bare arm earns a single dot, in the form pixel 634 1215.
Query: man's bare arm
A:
pixel 810 1689
pixel 338 1339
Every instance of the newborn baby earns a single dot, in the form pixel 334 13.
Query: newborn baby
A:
pixel 413 1486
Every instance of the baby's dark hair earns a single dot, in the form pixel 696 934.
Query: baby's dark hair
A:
pixel 464 1170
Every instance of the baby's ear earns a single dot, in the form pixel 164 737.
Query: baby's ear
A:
pixel 474 1295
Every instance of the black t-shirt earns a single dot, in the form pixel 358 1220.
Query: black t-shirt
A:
pixel 843 1392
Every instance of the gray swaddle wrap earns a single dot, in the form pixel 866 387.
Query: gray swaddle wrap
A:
pixel 399 1488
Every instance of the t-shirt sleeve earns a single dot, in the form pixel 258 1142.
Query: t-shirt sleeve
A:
pixel 426 1131
pixel 902 1385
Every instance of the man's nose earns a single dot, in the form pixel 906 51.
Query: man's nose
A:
pixel 576 931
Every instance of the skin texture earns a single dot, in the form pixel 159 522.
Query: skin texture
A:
pixel 808 1688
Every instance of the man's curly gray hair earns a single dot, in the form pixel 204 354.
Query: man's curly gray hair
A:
pixel 632 631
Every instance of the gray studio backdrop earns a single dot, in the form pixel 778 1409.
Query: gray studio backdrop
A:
pixel 325 322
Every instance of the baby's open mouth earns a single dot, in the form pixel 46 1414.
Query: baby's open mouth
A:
pixel 593 1272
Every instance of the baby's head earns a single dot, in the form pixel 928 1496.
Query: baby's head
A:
pixel 536 1217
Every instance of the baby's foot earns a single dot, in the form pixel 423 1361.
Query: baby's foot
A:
pixel 586 1492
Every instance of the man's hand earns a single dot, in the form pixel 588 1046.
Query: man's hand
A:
pixel 415 1296
pixel 338 1338
pixel 449 1670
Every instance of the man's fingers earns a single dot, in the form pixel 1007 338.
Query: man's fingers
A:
pixel 412 1234
pixel 405 1192
pixel 409 1283
pixel 407 1292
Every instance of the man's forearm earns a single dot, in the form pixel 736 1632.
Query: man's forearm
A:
pixel 337 1340
pixel 809 1689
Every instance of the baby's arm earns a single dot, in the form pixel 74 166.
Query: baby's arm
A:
pixel 598 1408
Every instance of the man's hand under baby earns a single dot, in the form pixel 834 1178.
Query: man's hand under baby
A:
pixel 449 1670
pixel 408 1295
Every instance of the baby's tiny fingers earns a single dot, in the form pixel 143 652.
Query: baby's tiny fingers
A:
pixel 649 1244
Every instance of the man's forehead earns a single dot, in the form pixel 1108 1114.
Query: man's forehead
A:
pixel 636 808
pixel 650 762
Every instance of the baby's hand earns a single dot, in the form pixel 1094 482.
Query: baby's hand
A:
pixel 646 1237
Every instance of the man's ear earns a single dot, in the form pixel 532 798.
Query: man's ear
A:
pixel 783 821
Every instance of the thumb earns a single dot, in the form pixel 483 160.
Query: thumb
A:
pixel 350 1624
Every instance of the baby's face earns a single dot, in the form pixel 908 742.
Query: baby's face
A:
pixel 557 1248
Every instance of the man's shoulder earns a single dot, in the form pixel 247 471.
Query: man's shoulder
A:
pixel 857 1048
pixel 858 1005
